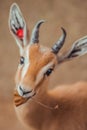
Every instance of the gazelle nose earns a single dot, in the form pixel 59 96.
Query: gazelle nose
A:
pixel 23 92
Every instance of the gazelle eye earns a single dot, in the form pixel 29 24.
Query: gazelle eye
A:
pixel 49 71
pixel 22 60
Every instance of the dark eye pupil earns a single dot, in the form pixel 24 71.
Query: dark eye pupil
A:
pixel 22 60
pixel 49 71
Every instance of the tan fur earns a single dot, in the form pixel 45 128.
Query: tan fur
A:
pixel 71 99
pixel 39 108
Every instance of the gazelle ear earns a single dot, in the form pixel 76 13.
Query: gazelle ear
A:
pixel 18 26
pixel 79 48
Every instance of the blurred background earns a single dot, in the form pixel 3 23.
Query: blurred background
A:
pixel 70 14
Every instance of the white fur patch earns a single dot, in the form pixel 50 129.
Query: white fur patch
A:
pixel 25 95
pixel 26 64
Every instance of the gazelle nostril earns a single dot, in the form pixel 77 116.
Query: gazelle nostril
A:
pixel 21 88
pixel 20 91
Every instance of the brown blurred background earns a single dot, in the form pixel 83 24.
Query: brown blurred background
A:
pixel 70 14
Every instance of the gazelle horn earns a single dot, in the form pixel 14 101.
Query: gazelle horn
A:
pixel 58 45
pixel 35 32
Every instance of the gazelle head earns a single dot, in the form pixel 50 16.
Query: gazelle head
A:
pixel 37 62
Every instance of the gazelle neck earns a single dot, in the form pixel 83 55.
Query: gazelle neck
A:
pixel 41 104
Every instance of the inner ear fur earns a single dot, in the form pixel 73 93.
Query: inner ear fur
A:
pixel 18 26
pixel 78 49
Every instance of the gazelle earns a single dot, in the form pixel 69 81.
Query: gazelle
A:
pixel 62 108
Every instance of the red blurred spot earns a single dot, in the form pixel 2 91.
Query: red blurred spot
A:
pixel 20 33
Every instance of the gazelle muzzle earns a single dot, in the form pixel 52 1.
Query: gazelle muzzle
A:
pixel 25 93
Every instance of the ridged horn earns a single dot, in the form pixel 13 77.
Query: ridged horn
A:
pixel 35 32
pixel 58 45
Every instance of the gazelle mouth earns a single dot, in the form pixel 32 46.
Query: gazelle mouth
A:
pixel 22 97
